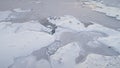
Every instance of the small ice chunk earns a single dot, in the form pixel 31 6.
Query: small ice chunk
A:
pixel 21 10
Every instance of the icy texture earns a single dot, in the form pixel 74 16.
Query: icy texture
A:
pixel 4 15
pixel 20 39
pixel 21 10
pixel 71 47
pixel 67 22
pixel 99 61
pixel 108 10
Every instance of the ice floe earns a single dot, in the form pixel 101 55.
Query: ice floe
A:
pixel 71 43
pixel 21 10
pixel 99 61
pixel 18 39
pixel 108 10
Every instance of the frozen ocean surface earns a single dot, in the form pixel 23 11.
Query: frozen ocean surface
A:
pixel 60 34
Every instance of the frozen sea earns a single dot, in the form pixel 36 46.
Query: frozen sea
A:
pixel 59 34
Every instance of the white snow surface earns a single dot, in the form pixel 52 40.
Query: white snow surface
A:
pixel 21 10
pixel 60 58
pixel 21 39
pixel 108 10
pixel 99 61
pixel 67 22
pixel 113 38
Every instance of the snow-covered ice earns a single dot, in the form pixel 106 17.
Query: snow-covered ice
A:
pixel 99 61
pixel 29 42
pixel 21 10
pixel 108 10
pixel 20 39
pixel 58 41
